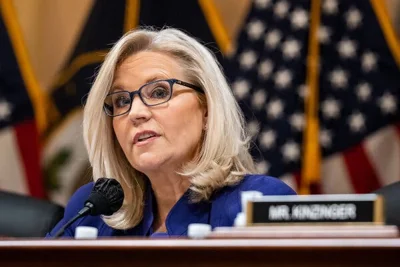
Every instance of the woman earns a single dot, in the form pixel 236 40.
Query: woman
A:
pixel 161 119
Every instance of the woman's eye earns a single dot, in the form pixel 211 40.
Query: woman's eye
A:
pixel 159 92
pixel 121 101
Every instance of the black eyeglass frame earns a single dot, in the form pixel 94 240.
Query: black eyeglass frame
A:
pixel 139 93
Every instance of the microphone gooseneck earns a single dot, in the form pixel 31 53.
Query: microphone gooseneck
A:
pixel 105 198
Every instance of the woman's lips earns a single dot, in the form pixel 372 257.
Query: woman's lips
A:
pixel 144 137
pixel 146 141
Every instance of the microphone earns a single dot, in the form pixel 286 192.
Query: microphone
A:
pixel 105 198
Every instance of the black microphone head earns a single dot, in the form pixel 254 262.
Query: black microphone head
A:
pixel 106 197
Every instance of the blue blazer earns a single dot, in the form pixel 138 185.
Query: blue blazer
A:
pixel 220 211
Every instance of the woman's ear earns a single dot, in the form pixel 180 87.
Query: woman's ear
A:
pixel 205 118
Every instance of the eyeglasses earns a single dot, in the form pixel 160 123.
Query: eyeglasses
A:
pixel 152 94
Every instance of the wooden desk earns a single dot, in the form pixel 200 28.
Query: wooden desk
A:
pixel 193 253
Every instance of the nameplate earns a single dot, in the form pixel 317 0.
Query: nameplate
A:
pixel 348 209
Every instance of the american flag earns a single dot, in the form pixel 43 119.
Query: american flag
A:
pixel 19 138
pixel 358 90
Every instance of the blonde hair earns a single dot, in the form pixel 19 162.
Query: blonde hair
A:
pixel 224 157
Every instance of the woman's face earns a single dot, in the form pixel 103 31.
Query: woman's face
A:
pixel 159 138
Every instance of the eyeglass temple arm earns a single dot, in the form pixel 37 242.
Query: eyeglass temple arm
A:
pixel 197 88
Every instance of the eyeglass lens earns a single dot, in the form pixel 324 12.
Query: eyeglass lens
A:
pixel 151 94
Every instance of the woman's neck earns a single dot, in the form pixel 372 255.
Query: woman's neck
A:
pixel 167 191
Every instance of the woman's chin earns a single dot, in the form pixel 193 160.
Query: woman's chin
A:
pixel 146 165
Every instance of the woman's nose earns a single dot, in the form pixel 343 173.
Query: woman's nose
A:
pixel 139 111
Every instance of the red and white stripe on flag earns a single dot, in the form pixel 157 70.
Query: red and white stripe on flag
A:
pixel 361 169
pixel 22 111
pixel 20 160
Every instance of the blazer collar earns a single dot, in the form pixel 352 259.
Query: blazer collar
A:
pixel 183 213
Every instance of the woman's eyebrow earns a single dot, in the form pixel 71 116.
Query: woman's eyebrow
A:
pixel 119 87
pixel 116 87
pixel 156 77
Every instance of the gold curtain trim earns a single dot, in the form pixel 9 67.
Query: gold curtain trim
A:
pixel 132 8
pixel 216 25
pixel 388 31
pixel 311 164
pixel 39 99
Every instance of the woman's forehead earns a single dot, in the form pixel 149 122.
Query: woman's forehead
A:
pixel 144 67
pixel 148 63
